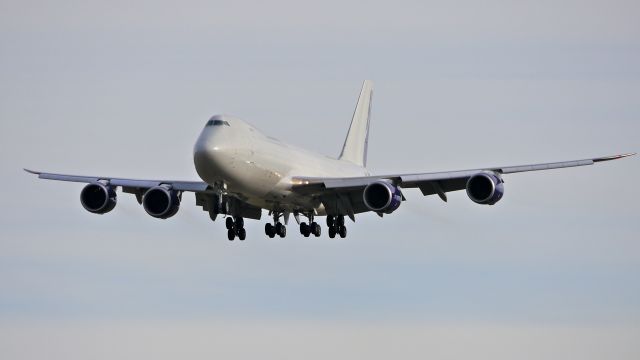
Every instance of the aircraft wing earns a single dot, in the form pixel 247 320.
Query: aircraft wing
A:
pixel 205 195
pixel 346 193
pixel 193 186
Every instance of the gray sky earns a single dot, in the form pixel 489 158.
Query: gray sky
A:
pixel 123 89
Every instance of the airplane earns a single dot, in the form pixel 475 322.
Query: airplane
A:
pixel 244 171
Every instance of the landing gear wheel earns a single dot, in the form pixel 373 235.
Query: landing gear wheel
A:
pixel 281 230
pixel 269 230
pixel 229 223
pixel 305 229
pixel 343 231
pixel 231 234
pixel 316 229
pixel 331 221
pixel 239 222
pixel 340 220
pixel 242 234
pixel 332 232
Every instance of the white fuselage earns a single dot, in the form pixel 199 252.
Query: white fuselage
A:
pixel 259 169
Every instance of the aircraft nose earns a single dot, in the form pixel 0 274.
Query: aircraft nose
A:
pixel 199 155
pixel 204 150
pixel 204 145
pixel 206 157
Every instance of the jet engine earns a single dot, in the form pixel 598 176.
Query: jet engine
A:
pixel 485 188
pixel 382 197
pixel 161 202
pixel 98 198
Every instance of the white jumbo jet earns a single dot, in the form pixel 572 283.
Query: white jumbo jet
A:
pixel 245 171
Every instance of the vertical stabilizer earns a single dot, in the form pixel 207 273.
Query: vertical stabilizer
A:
pixel 355 145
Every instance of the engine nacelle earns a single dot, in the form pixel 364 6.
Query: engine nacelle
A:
pixel 161 202
pixel 382 197
pixel 98 198
pixel 485 188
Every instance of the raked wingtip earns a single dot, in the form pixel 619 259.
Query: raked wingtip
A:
pixel 614 157
pixel 626 155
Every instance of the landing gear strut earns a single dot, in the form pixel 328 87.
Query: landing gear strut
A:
pixel 336 226
pixel 311 228
pixel 277 228
pixel 235 227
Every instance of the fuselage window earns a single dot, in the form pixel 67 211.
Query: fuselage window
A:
pixel 217 123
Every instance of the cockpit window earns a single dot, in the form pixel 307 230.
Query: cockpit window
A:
pixel 217 123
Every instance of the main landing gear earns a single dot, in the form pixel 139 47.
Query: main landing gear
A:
pixel 336 226
pixel 307 229
pixel 311 228
pixel 277 228
pixel 235 227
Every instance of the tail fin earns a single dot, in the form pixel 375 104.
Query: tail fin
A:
pixel 355 145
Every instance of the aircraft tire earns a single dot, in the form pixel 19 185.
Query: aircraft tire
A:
pixel 343 231
pixel 304 229
pixel 332 232
pixel 269 230
pixel 331 221
pixel 242 234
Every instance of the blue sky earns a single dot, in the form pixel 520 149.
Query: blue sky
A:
pixel 123 89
